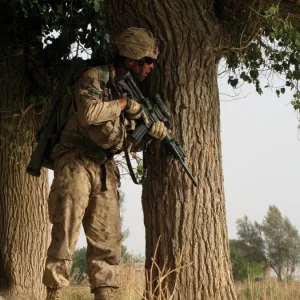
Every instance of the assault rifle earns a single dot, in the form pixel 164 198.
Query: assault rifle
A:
pixel 156 111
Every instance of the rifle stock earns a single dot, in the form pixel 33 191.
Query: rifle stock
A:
pixel 37 159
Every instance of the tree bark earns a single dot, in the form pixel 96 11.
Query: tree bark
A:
pixel 181 217
pixel 24 224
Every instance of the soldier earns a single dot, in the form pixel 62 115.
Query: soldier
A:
pixel 84 189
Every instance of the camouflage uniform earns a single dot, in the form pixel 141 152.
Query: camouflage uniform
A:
pixel 84 191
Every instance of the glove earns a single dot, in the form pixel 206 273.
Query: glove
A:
pixel 135 111
pixel 158 130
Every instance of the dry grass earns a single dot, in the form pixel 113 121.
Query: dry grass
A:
pixel 272 290
pixel 131 281
pixel 132 284
pixel 245 291
pixel 76 293
pixel 157 279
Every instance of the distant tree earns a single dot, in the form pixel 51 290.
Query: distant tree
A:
pixel 244 262
pixel 79 260
pixel 293 248
pixel 275 240
pixel 251 235
pixel 125 254
pixel 282 242
pixel 128 257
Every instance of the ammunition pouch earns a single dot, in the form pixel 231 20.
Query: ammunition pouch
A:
pixel 91 149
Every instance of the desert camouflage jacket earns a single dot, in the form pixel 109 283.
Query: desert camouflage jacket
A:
pixel 96 112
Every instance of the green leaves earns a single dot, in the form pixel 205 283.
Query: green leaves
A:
pixel 272 49
pixel 84 21
pixel 243 260
pixel 97 5
pixel 79 260
pixel 271 11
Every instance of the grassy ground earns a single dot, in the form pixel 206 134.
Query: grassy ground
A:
pixel 131 282
pixel 245 291
pixel 83 293
pixel 271 290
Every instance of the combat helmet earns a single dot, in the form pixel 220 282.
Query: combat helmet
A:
pixel 136 43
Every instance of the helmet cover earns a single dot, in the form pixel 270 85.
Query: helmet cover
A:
pixel 136 43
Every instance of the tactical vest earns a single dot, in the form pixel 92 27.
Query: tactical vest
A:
pixel 60 110
pixel 109 92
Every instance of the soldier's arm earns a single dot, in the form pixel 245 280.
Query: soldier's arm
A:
pixel 91 108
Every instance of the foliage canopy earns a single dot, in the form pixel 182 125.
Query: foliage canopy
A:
pixel 258 37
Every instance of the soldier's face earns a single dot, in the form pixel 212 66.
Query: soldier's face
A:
pixel 142 70
pixel 147 67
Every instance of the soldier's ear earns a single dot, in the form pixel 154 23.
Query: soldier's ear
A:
pixel 131 64
pixel 130 61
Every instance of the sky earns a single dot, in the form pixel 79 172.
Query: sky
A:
pixel 261 157
pixel 261 163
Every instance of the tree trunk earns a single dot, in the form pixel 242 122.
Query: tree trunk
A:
pixel 186 219
pixel 24 228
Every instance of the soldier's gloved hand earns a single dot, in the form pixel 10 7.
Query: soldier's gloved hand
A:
pixel 134 111
pixel 158 130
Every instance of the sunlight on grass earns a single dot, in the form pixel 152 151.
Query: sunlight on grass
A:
pixel 132 284
pixel 272 290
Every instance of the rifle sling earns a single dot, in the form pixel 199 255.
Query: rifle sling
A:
pixel 145 165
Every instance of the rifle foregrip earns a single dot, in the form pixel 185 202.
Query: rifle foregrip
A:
pixel 140 131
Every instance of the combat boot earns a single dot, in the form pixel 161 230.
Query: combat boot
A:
pixel 52 293
pixel 103 293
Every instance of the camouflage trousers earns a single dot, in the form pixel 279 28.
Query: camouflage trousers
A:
pixel 84 192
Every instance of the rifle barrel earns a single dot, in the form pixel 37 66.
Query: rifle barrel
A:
pixel 195 183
